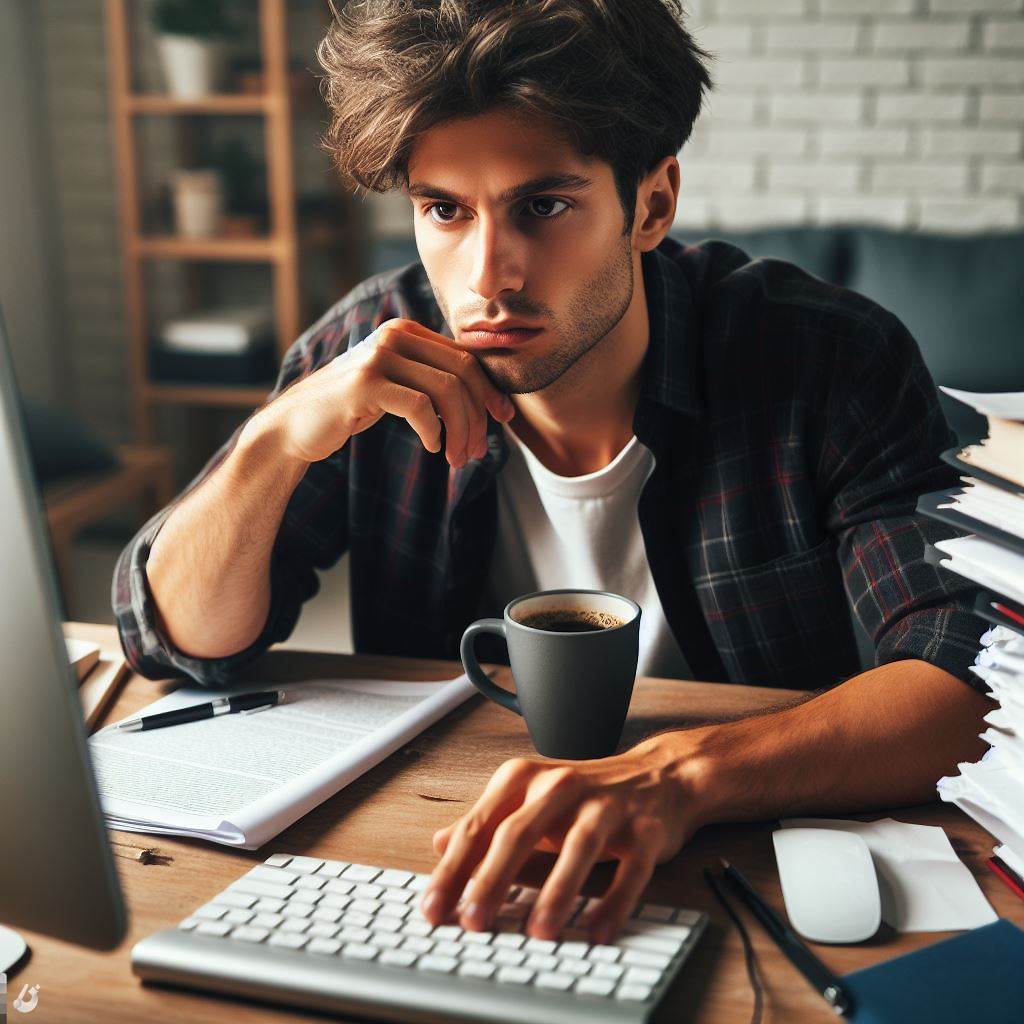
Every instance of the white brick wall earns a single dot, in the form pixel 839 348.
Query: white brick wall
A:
pixel 905 113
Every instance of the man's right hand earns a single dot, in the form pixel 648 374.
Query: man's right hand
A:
pixel 402 368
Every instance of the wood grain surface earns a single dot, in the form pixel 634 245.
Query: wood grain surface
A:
pixel 388 816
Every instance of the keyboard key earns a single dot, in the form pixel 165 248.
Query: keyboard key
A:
pixel 439 964
pixel 267 920
pixel 649 944
pixel 324 946
pixel 332 868
pixel 638 958
pixel 358 951
pixel 418 883
pixel 356 918
pixel 367 891
pixel 540 946
pixel 188 924
pixel 360 873
pixel 604 954
pixel 571 965
pixel 254 887
pixel 334 902
pixel 447 932
pixel 246 934
pixel 297 909
pixel 477 938
pixel 276 875
pixel 277 860
pixel 323 930
pixel 268 905
pixel 397 958
pixel 595 986
pixel 509 957
pixel 383 923
pixel 234 899
pixel 642 976
pixel 613 971
pixel 670 932
pixel 385 940
pixel 687 917
pixel 306 882
pixel 329 914
pixel 395 878
pixel 357 935
pixel 558 982
pixel 306 865
pixel 418 927
pixel 210 912
pixel 477 952
pixel 418 945
pixel 515 975
pixel 476 969
pixel 294 925
pixel 398 895
pixel 218 928
pixel 509 940
pixel 339 887
pixel 364 906
pixel 288 940
pixel 634 993
pixel 656 912
pixel 544 962
pixel 578 950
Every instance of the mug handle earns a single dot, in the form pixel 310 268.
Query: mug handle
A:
pixel 476 674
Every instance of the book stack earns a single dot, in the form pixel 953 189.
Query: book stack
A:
pixel 990 507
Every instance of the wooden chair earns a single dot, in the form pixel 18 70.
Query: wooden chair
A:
pixel 146 476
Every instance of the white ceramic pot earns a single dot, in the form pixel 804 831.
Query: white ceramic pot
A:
pixel 192 67
pixel 198 203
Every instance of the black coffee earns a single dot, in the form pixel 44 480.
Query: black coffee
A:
pixel 572 620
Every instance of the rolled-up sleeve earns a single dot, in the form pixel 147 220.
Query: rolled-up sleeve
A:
pixel 880 452
pixel 313 535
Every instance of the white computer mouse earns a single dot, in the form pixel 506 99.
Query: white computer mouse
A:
pixel 828 883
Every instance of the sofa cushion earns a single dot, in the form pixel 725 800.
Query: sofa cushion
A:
pixel 962 298
pixel 819 251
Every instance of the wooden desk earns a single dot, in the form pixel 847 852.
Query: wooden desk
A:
pixel 388 817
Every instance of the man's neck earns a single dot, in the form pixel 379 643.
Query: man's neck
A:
pixel 582 421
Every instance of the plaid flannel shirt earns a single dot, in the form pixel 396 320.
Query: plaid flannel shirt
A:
pixel 793 425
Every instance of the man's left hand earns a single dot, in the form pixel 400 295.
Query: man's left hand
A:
pixel 633 807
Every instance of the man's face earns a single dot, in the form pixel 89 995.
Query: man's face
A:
pixel 554 258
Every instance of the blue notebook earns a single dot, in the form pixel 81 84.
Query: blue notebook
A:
pixel 977 976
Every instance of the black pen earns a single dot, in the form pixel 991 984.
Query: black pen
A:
pixel 827 983
pixel 234 704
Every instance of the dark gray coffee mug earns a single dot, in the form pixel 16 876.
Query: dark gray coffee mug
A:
pixel 572 689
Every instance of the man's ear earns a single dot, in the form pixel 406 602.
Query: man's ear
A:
pixel 656 199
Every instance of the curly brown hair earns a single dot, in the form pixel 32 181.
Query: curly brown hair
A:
pixel 623 79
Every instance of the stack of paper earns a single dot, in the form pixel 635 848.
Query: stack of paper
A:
pixel 992 791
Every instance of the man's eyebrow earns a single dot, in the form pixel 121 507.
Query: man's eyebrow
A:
pixel 545 183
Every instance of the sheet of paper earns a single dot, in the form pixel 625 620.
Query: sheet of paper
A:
pixel 1006 405
pixel 986 563
pixel 924 885
pixel 241 779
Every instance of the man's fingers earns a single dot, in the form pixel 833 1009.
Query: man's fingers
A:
pixel 631 876
pixel 414 406
pixel 514 840
pixel 583 846
pixel 444 389
pixel 440 352
pixel 468 838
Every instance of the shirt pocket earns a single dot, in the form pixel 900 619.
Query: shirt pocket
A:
pixel 785 622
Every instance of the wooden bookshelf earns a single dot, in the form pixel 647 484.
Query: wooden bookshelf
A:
pixel 280 249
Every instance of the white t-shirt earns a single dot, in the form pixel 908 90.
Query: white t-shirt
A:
pixel 581 531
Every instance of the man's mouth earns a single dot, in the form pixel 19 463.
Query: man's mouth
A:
pixel 499 339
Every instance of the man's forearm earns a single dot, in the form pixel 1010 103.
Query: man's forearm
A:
pixel 882 738
pixel 209 568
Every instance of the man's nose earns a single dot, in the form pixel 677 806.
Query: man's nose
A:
pixel 498 260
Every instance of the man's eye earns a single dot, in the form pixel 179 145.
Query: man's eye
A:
pixel 546 200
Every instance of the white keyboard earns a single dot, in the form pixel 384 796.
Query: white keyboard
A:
pixel 349 937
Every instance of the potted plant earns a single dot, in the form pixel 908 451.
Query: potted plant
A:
pixel 190 40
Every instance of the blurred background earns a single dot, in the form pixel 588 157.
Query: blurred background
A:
pixel 170 223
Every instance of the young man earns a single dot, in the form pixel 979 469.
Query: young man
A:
pixel 735 444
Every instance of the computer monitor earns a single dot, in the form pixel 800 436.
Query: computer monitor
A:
pixel 57 873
